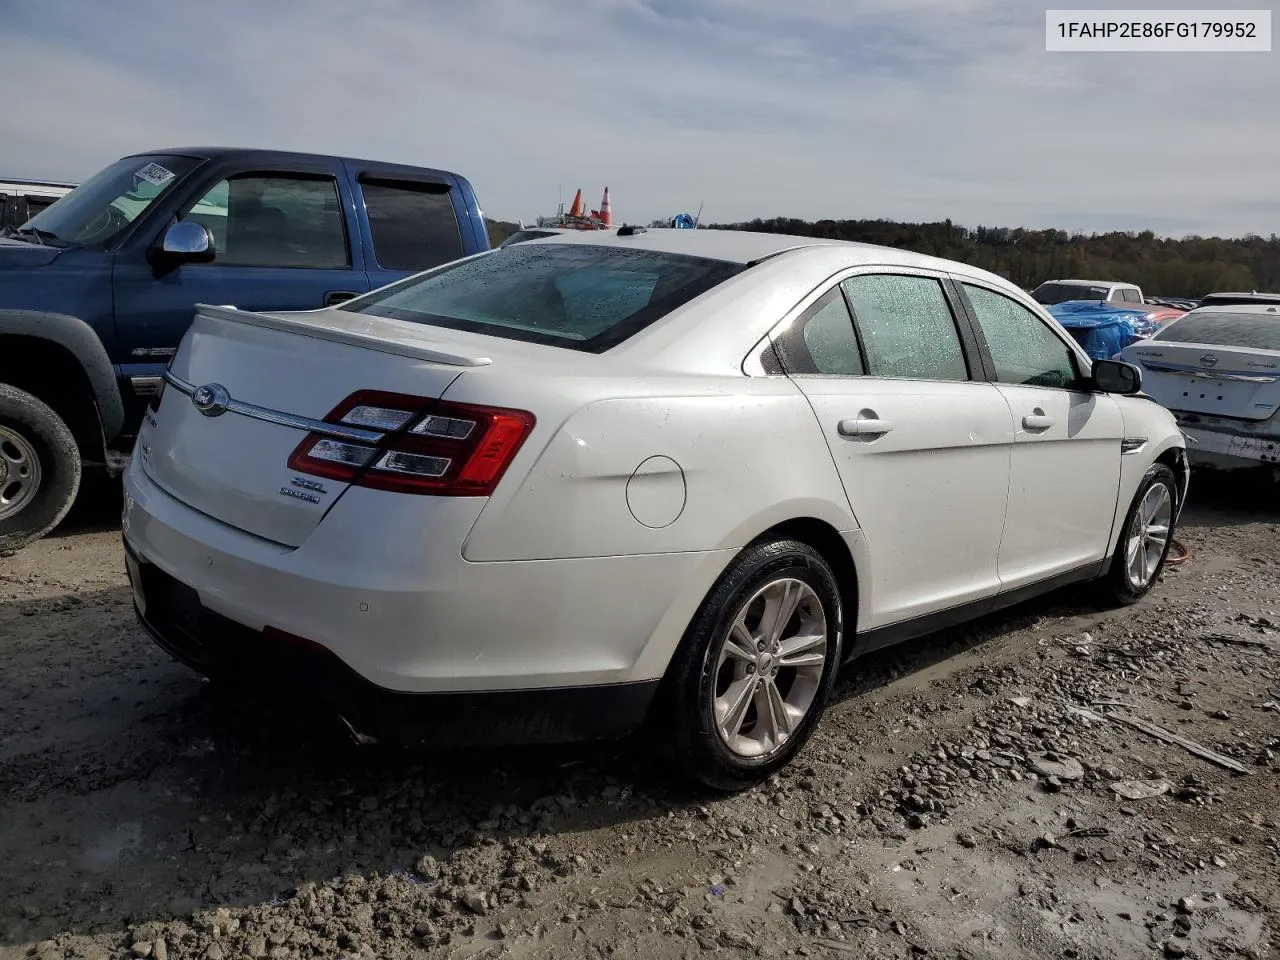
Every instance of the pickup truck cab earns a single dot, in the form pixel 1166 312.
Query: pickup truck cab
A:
pixel 97 290
pixel 1060 291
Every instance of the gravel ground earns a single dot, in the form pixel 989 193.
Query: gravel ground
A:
pixel 952 803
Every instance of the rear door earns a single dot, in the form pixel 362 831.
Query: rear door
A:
pixel 282 244
pixel 411 222
pixel 1065 468
pixel 921 443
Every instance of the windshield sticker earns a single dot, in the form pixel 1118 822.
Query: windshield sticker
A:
pixel 155 174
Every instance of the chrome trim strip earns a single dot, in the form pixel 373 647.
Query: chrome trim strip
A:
pixel 1132 445
pixel 144 386
pixel 1205 374
pixel 341 431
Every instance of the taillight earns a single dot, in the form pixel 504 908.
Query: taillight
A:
pixel 423 446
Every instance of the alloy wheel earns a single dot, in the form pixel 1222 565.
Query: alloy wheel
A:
pixel 769 667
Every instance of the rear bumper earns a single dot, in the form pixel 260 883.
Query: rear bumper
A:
pixel 1231 448
pixel 281 668
pixel 391 612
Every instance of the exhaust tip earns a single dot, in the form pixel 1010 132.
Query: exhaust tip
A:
pixel 354 735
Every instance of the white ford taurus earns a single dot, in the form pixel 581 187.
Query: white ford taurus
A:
pixel 573 486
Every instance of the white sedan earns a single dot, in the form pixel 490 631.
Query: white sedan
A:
pixel 1218 370
pixel 577 485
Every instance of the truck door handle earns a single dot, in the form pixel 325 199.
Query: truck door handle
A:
pixel 338 296
pixel 864 426
pixel 1037 421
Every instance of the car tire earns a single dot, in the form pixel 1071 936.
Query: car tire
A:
pixel 710 674
pixel 1154 508
pixel 39 468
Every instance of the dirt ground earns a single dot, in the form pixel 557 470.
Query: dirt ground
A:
pixel 952 803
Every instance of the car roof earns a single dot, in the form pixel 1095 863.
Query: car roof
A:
pixel 1095 283
pixel 254 154
pixel 743 246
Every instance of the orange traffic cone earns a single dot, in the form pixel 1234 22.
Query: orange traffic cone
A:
pixel 578 208
pixel 606 212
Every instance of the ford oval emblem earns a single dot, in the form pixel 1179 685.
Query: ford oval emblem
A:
pixel 1208 359
pixel 211 399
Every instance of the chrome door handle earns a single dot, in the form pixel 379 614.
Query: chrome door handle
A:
pixel 1037 421
pixel 864 427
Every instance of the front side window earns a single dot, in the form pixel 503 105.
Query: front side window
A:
pixel 274 221
pixel 579 296
pixel 414 226
pixel 98 211
pixel 1025 351
pixel 907 327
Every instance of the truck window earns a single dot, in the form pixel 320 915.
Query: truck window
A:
pixel 413 224
pixel 268 220
pixel 1129 295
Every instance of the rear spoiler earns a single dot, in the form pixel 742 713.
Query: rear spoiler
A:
pixel 382 334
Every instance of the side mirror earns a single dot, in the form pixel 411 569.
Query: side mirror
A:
pixel 186 242
pixel 1116 376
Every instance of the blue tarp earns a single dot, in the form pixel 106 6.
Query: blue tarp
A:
pixel 1102 329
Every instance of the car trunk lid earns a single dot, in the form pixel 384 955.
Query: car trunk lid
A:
pixel 245 390
pixel 1236 382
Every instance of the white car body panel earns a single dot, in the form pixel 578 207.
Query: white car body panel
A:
pixel 649 467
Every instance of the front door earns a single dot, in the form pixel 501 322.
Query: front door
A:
pixel 921 446
pixel 281 244
pixel 1065 470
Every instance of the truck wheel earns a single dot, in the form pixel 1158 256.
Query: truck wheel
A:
pixel 39 468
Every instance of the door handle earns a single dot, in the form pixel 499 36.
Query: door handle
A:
pixel 1037 421
pixel 338 296
pixel 864 427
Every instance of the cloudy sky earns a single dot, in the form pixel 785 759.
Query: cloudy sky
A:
pixel 906 109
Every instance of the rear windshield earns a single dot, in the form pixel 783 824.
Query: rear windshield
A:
pixel 1051 293
pixel 1258 330
pixel 580 296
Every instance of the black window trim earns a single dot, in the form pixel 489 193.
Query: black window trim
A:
pixel 282 173
pixel 1084 364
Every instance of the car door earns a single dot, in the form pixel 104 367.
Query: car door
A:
pixel 281 243
pixel 1065 468
pixel 410 224
pixel 921 444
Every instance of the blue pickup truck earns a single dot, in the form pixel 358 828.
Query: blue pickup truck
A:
pixel 97 290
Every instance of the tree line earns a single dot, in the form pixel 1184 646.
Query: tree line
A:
pixel 1190 267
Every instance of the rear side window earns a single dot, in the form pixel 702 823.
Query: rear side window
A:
pixel 413 224
pixel 822 340
pixel 1260 331
pixel 580 296
pixel 907 327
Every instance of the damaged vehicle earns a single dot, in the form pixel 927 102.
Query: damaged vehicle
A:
pixel 1218 370
pixel 590 483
